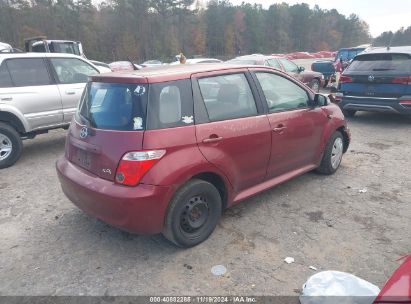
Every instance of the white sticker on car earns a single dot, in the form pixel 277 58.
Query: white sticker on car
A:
pixel 140 90
pixel 187 119
pixel 138 123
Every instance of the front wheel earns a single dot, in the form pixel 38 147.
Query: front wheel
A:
pixel 193 213
pixel 10 145
pixel 332 155
pixel 315 85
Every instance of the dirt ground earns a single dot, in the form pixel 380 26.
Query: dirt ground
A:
pixel 49 247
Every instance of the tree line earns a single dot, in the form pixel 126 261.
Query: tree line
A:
pixel 160 29
pixel 399 38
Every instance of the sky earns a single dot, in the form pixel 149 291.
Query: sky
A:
pixel 381 15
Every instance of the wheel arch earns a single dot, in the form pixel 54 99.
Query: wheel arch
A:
pixel 217 181
pixel 13 120
pixel 346 137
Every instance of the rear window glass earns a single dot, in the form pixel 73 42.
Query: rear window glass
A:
pixel 170 105
pixel 115 106
pixel 382 64
pixel 28 72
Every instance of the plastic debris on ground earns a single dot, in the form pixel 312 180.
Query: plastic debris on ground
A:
pixel 218 270
pixel 363 190
pixel 325 286
pixel 313 268
pixel 289 260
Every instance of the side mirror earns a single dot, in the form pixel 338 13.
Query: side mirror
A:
pixel 301 69
pixel 320 100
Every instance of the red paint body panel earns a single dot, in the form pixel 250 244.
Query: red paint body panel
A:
pixel 398 287
pixel 104 148
pixel 243 152
pixel 297 144
pixel 249 158
pixel 138 209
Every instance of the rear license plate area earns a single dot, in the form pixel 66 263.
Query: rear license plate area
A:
pixel 82 158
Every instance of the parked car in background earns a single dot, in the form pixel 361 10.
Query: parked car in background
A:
pixel 312 79
pixel 43 45
pixel 198 60
pixel 166 150
pixel 379 80
pixel 5 48
pixel 101 66
pixel 38 92
pixel 328 67
pixel 117 66
pixel 151 63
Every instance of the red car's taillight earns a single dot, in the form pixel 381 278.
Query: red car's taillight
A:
pixel 134 165
pixel 402 80
pixel 345 79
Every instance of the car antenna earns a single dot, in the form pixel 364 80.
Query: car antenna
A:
pixel 132 64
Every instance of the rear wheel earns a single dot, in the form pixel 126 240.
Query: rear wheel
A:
pixel 193 213
pixel 10 145
pixel 349 113
pixel 315 85
pixel 332 155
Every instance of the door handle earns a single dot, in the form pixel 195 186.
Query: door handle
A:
pixel 212 139
pixel 280 128
pixel 6 98
pixel 70 92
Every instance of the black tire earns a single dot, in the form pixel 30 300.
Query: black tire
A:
pixel 9 135
pixel 327 167
pixel 326 83
pixel 193 213
pixel 349 113
pixel 315 85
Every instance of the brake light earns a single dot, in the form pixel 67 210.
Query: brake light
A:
pixel 345 79
pixel 134 165
pixel 402 80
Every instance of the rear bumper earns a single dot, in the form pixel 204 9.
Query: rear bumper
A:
pixel 139 209
pixel 393 105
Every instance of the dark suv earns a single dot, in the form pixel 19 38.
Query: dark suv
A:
pixel 167 149
pixel 379 81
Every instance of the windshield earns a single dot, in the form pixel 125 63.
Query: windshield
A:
pixel 65 47
pixel 382 64
pixel 114 106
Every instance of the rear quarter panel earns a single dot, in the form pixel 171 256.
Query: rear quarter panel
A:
pixel 182 160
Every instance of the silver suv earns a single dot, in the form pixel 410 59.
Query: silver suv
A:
pixel 38 92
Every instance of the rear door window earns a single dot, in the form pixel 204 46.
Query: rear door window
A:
pixel 227 97
pixel 28 72
pixel 288 65
pixel 170 105
pixel 5 79
pixel 382 64
pixel 115 106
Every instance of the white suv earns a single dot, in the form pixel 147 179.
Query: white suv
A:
pixel 38 92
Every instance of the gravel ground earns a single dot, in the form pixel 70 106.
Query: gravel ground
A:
pixel 49 247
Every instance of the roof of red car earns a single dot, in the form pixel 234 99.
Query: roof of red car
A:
pixel 164 73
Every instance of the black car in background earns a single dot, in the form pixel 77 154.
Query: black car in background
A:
pixel 379 81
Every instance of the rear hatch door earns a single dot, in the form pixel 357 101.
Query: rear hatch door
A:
pixel 383 75
pixel 109 123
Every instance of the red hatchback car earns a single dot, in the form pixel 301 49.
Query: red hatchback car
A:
pixel 165 150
